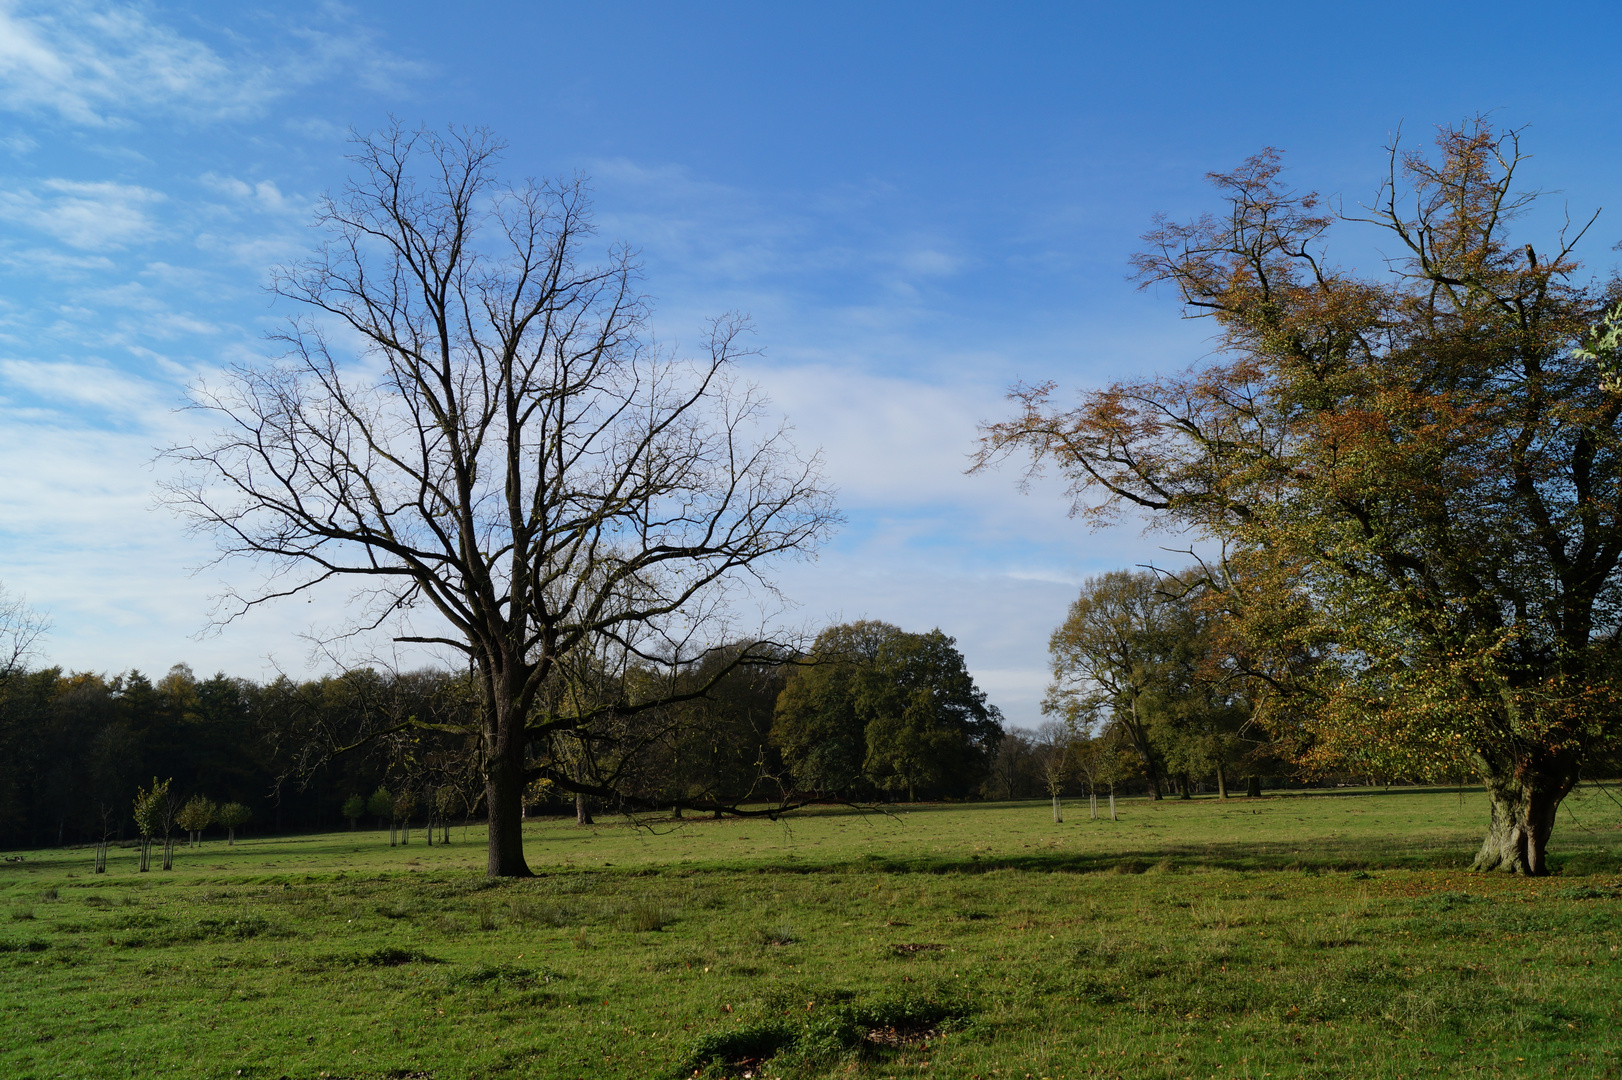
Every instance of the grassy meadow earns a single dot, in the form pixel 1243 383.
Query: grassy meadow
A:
pixel 1328 934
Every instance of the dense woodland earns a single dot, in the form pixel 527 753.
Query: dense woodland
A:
pixel 868 713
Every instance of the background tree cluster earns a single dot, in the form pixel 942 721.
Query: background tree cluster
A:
pixel 878 709
pixel 76 748
pixel 365 746
pixel 1151 665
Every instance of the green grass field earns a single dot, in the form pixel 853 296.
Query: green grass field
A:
pixel 1326 934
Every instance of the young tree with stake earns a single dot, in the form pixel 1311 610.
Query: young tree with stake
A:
pixel 232 816
pixel 197 815
pixel 354 809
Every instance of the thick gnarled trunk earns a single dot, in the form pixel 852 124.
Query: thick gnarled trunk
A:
pixel 504 788
pixel 1524 802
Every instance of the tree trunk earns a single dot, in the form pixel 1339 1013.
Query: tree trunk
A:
pixel 582 811
pixel 505 745
pixel 231 837
pixel 1092 805
pixel 1222 782
pixel 1112 802
pixel 1058 815
pixel 675 811
pixel 1140 741
pixel 1185 786
pixel 1524 799
pixel 1253 787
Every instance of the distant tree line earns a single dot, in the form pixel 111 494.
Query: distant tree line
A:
pixel 77 748
pixel 869 712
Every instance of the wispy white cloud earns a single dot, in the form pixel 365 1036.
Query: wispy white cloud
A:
pixel 89 216
pixel 101 64
pixel 89 64
pixel 262 195
pixel 74 385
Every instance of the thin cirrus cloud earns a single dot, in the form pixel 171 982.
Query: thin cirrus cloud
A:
pixel 86 216
pixel 108 65
pixel 92 64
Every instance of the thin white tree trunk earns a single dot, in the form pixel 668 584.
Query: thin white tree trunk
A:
pixel 1092 800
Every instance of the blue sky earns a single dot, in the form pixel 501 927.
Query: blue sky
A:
pixel 917 204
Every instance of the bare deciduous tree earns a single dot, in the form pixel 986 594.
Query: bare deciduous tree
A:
pixel 471 422
pixel 20 630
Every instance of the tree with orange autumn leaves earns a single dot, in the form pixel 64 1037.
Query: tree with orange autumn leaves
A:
pixel 1415 476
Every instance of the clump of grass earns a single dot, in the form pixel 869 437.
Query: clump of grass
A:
pixel 392 957
pixel 97 901
pixel 49 894
pixel 738 1048
pixel 486 914
pixel 869 1029
pixel 648 917
pixel 239 928
pixel 1450 901
pixel 20 913
pixel 781 934
pixel 558 916
pixel 520 912
pixel 24 946
pixel 506 975
pixel 1586 892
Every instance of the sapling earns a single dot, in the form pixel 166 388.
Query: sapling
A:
pixel 381 806
pixel 404 805
pixel 152 814
pixel 232 815
pixel 354 809
pixel 197 815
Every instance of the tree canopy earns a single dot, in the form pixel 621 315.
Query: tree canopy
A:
pixel 1414 475
pixel 877 706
